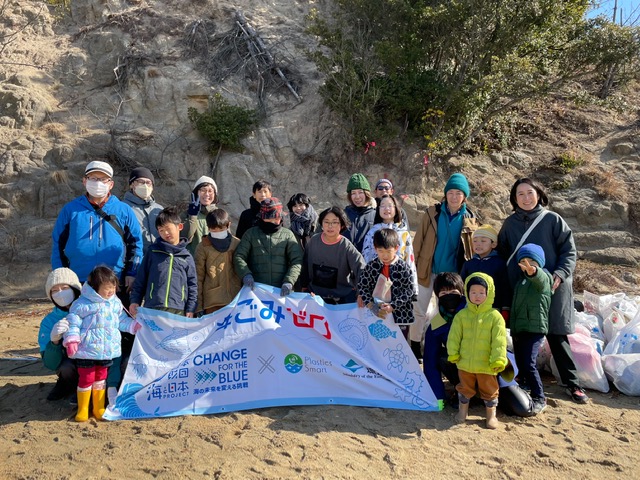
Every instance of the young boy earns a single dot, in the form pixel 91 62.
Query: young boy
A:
pixel 530 318
pixel 269 253
pixel 218 283
pixel 449 288
pixel 249 218
pixel 486 260
pixel 167 278
pixel 386 284
pixel 477 344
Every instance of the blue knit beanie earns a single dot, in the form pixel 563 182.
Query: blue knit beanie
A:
pixel 532 251
pixel 459 182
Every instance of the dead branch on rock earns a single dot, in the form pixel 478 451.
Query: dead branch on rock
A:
pixel 239 51
pixel 7 39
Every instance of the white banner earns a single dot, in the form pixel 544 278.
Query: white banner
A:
pixel 263 350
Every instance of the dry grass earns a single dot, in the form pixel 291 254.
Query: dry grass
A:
pixel 54 130
pixel 605 279
pixel 606 183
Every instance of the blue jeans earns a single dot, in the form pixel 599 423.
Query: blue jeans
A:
pixel 525 349
pixel 435 360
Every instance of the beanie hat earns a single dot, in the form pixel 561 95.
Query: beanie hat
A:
pixel 140 172
pixel 270 208
pixel 477 280
pixel 382 181
pixel 60 276
pixel 486 231
pixel 459 182
pixel 532 251
pixel 97 166
pixel 201 181
pixel 358 181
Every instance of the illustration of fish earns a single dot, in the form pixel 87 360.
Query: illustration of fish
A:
pixel 379 331
pixel 140 365
pixel 180 341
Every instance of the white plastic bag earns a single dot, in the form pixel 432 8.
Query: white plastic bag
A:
pixel 624 371
pixel 592 322
pixel 612 324
pixel 588 361
pixel 626 340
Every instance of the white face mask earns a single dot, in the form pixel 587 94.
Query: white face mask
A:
pixel 97 189
pixel 64 297
pixel 143 191
pixel 219 235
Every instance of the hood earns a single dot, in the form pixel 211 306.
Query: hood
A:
pixel 89 293
pixel 254 204
pixel 491 293
pixel 133 198
pixel 163 246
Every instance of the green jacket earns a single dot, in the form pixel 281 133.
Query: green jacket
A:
pixel 477 341
pixel 531 302
pixel 272 259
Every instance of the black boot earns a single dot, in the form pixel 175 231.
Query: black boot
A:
pixel 416 348
pixel 62 389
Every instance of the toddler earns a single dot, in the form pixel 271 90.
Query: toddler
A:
pixel 477 344
pixel 93 339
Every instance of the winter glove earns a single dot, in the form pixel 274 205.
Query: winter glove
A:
pixel 58 330
pixel 286 289
pixel 72 349
pixel 194 206
pixel 248 281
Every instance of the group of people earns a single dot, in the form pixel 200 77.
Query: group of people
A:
pixel 452 288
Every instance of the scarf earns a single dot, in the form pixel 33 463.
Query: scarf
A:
pixel 304 224
pixel 269 228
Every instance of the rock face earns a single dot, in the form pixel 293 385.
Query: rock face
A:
pixel 116 79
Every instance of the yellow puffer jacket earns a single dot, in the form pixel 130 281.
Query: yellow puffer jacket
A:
pixel 477 341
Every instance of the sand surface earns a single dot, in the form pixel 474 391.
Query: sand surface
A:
pixel 40 439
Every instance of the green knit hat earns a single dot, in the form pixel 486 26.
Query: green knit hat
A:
pixel 459 182
pixel 358 181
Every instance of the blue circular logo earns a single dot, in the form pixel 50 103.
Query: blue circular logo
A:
pixel 293 363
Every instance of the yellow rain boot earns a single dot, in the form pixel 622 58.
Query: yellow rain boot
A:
pixel 492 420
pixel 84 395
pixel 99 393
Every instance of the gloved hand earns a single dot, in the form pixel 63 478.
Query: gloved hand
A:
pixel 72 349
pixel 286 289
pixel 136 326
pixel 58 330
pixel 194 205
pixel 248 281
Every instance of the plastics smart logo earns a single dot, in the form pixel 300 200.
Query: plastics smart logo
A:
pixel 293 363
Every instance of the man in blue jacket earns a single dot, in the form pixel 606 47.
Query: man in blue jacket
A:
pixel 97 228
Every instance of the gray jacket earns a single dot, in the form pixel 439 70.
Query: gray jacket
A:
pixel 146 213
pixel 556 239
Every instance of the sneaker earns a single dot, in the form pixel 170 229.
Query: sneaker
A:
pixel 578 395
pixel 539 405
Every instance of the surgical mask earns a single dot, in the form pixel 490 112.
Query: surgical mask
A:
pixel 64 297
pixel 450 301
pixel 97 189
pixel 143 191
pixel 219 235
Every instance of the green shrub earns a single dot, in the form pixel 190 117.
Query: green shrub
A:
pixel 224 125
pixel 567 161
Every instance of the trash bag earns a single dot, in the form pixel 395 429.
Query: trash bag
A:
pixel 624 371
pixel 626 339
pixel 588 361
pixel 593 323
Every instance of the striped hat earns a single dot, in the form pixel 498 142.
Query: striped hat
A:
pixel 270 208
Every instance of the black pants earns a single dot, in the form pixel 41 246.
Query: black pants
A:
pixel 561 351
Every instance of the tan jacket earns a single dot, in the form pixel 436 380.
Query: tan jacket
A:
pixel 218 282
pixel 424 242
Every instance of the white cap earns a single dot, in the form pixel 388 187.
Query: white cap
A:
pixel 205 179
pixel 97 166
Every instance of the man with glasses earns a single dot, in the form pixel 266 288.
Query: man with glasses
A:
pixel 140 199
pixel 385 187
pixel 97 228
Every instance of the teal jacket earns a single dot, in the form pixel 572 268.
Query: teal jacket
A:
pixel 272 259
pixel 52 354
pixel 531 303
pixel 477 341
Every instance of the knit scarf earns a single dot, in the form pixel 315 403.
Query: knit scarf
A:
pixel 269 228
pixel 304 224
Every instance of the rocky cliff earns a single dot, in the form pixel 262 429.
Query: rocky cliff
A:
pixel 113 80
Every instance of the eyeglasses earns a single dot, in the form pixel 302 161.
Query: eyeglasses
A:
pixel 96 179
pixel 382 187
pixel 141 181
pixel 331 224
